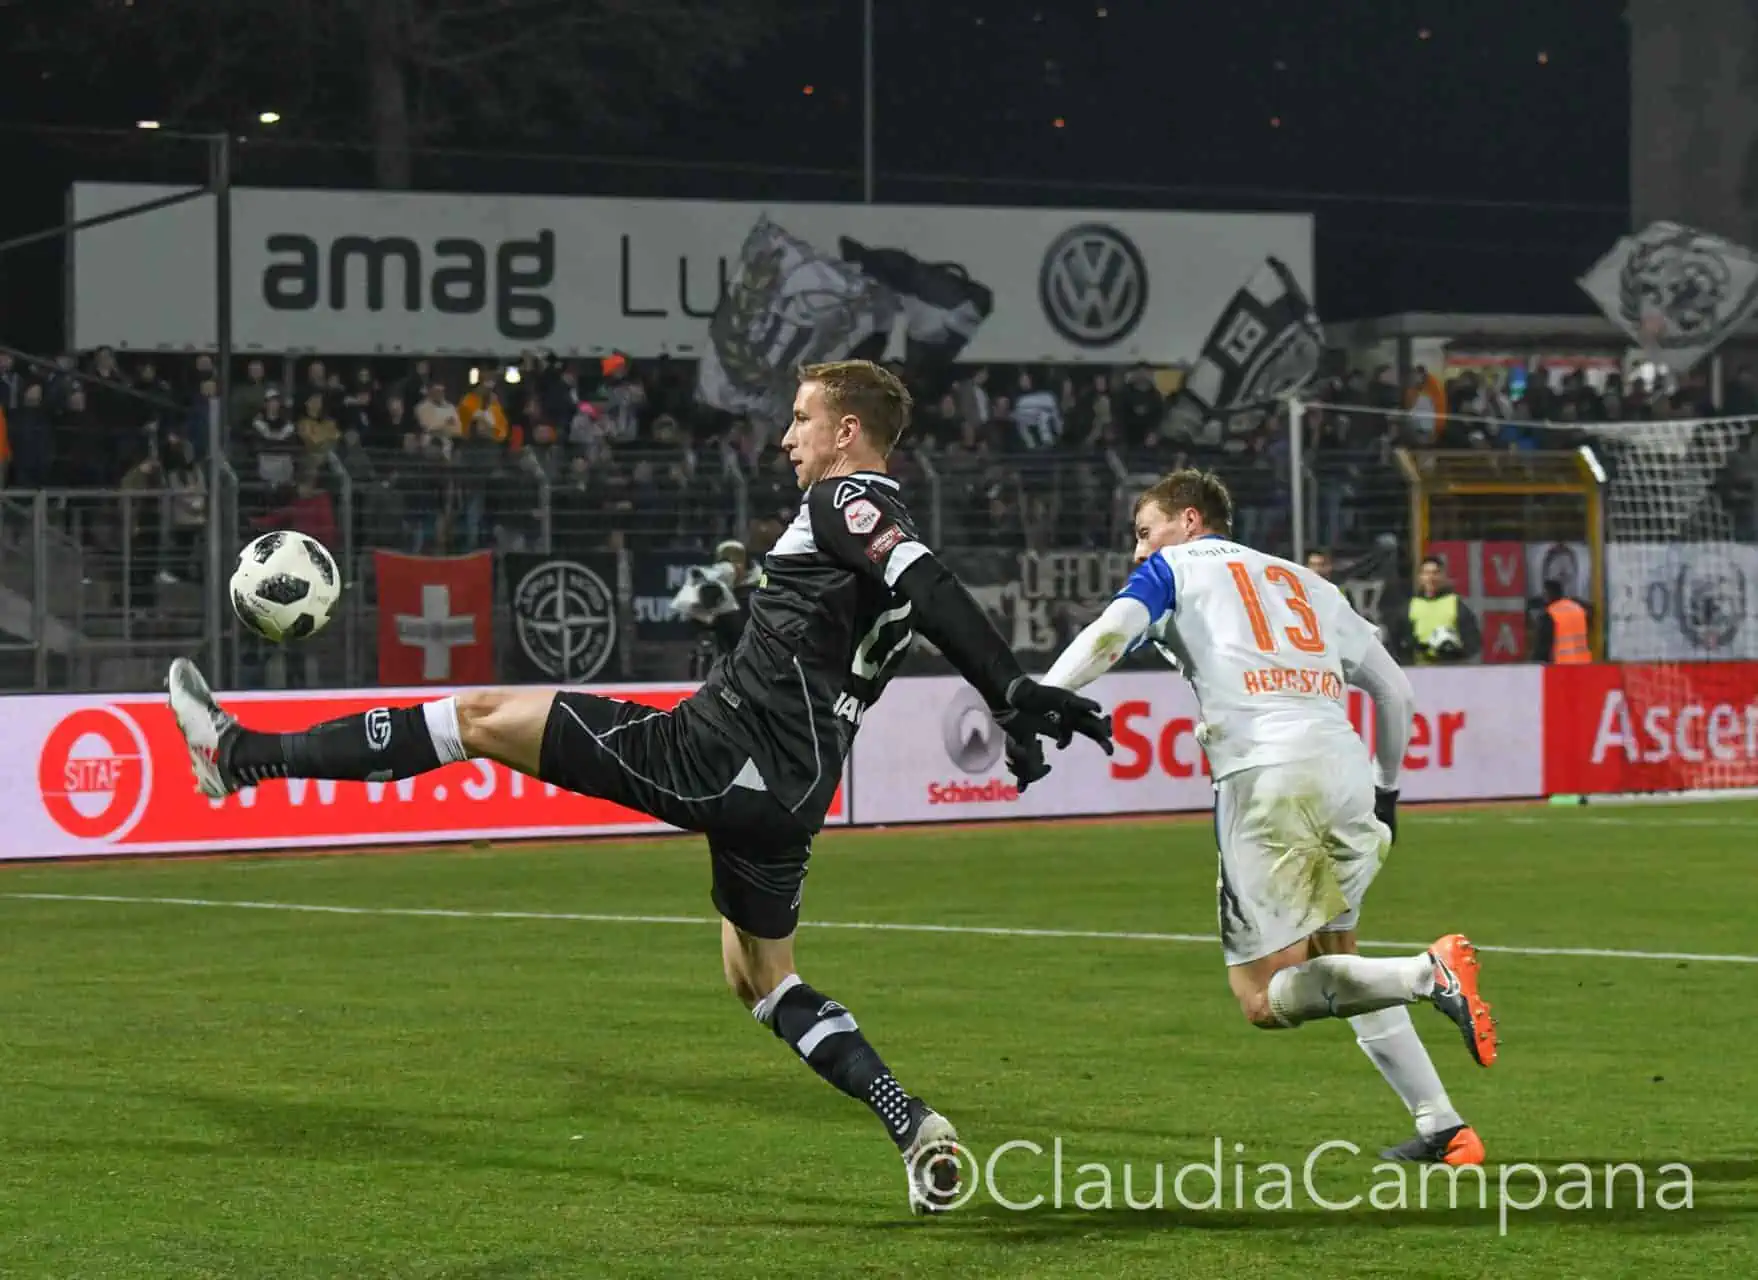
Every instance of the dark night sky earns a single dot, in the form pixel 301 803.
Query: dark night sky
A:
pixel 1458 156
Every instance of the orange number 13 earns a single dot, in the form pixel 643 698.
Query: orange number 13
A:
pixel 1306 637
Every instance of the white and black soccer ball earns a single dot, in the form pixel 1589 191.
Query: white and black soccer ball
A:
pixel 286 586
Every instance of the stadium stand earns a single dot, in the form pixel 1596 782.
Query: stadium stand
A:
pixel 442 457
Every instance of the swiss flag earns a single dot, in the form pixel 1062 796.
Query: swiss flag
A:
pixel 435 618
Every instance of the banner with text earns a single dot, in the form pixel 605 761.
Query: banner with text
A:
pixel 656 577
pixel 362 273
pixel 92 775
pixel 929 751
pixel 435 618
pixel 1671 726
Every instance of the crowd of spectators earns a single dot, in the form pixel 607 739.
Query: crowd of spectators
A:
pixel 446 457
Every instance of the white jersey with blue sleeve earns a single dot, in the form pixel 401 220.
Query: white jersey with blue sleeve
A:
pixel 1267 645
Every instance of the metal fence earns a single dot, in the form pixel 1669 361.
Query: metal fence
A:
pixel 100 588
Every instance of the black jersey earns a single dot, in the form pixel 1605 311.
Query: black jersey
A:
pixel 825 634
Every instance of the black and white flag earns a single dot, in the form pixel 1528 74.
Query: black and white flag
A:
pixel 789 305
pixel 942 306
pixel 1265 346
pixel 1678 292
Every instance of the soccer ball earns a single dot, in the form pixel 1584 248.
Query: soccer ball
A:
pixel 1446 641
pixel 285 586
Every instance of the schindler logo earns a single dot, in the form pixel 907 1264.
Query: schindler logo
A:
pixel 454 278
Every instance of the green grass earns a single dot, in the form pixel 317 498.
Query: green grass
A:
pixel 201 1092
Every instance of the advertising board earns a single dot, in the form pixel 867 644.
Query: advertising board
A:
pixel 369 272
pixel 89 775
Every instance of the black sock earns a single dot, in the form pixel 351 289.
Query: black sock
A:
pixel 378 746
pixel 824 1033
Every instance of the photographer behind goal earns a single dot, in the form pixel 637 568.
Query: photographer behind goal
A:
pixel 716 598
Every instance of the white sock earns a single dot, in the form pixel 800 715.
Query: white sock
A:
pixel 1343 986
pixel 1389 1040
pixel 764 1009
pixel 442 728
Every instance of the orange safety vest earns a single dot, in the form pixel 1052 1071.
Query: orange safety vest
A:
pixel 1568 622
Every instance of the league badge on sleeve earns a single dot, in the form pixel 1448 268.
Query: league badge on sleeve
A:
pixel 861 517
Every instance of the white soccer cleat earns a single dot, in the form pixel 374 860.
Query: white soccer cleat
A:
pixel 934 1163
pixel 204 726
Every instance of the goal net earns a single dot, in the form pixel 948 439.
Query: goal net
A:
pixel 1682 716
pixel 1649 524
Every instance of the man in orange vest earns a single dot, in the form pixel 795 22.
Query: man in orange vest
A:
pixel 1561 634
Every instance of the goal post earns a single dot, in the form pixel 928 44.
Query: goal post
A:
pixel 1491 502
pixel 1653 524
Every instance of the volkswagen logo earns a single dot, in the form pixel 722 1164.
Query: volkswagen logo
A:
pixel 972 738
pixel 1093 285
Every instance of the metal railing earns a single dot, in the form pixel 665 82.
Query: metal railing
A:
pixel 99 588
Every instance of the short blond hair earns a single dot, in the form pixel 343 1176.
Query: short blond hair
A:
pixel 868 392
pixel 1203 490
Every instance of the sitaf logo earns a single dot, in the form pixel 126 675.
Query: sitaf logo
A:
pixel 452 276
pixel 95 774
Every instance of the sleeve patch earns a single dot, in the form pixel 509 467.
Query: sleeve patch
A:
pixel 881 546
pixel 861 517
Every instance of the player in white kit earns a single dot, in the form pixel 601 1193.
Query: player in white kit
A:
pixel 1304 815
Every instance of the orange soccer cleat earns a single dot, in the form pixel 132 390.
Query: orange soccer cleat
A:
pixel 1455 994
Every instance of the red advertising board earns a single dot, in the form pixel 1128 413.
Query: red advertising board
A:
pixel 1669 726
pixel 94 775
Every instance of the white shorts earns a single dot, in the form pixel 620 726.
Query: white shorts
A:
pixel 1299 845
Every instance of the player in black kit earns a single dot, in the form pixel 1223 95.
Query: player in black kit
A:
pixel 754 757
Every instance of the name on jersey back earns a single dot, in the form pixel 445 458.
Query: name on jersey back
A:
pixel 1298 680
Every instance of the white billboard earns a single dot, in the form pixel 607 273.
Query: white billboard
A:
pixel 928 752
pixel 362 273
pixel 1681 601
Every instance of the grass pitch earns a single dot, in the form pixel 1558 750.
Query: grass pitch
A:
pixel 511 1064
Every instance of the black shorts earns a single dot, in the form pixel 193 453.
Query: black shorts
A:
pixel 678 768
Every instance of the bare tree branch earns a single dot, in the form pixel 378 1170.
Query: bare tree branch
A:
pixel 410 73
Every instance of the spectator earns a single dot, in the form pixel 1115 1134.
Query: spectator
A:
pixel 359 405
pixel 318 430
pixel 1441 628
pixel 143 533
pixel 248 396
pixel 31 441
pixel 187 486
pixel 1038 416
pixel 1559 631
pixel 11 384
pixel 437 415
pixel 387 427
pixel 275 442
pixel 203 421
pixel 478 464
pixel 483 405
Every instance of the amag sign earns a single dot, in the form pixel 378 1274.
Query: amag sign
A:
pixel 505 283
pixel 361 272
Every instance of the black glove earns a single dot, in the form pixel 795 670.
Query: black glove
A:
pixel 1385 808
pixel 1040 710
pixel 1025 761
